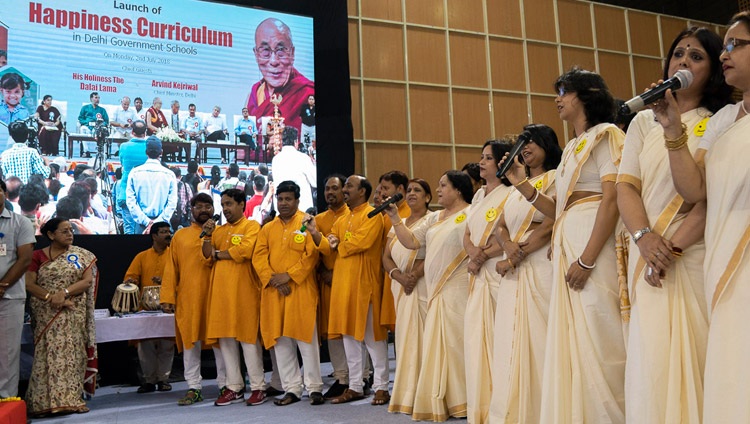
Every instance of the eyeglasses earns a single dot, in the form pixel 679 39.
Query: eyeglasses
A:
pixel 282 53
pixel 732 43
pixel 64 230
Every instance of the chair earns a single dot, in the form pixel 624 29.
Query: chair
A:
pixel 255 152
pixel 62 106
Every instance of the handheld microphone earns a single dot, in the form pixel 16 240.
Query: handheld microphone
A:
pixel 395 198
pixel 523 140
pixel 682 79
pixel 215 218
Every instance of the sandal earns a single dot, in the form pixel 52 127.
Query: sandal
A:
pixel 163 386
pixel 349 395
pixel 381 397
pixel 192 396
pixel 288 399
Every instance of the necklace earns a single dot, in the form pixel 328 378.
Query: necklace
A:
pixel 742 103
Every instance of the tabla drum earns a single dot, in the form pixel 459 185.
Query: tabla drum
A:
pixel 150 298
pixel 125 299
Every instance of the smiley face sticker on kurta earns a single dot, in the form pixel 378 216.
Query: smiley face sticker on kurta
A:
pixel 580 146
pixel 347 235
pixel 459 219
pixel 490 215
pixel 236 240
pixel 701 127
pixel 299 238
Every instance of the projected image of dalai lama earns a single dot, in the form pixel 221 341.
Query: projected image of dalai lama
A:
pixel 274 52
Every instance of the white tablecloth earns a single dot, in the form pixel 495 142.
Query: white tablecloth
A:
pixel 128 327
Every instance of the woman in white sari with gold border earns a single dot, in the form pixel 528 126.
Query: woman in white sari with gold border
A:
pixel 525 288
pixel 719 175
pixel 409 290
pixel 584 366
pixel 668 327
pixel 484 252
pixel 441 390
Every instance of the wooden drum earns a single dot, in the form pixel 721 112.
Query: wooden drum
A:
pixel 126 298
pixel 150 298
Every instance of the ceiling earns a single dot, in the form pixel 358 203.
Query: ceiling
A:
pixel 717 11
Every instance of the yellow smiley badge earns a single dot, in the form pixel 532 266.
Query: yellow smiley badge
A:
pixel 299 238
pixel 347 235
pixel 701 127
pixel 580 146
pixel 538 185
pixel 490 215
pixel 236 240
pixel 461 218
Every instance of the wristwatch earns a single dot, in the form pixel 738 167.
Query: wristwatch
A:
pixel 640 233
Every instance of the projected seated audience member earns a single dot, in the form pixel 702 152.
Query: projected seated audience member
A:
pixel 95 222
pixel 3 58
pixel 274 53
pixel 216 129
pixel 13 87
pixel 292 165
pixel 48 116
pixel 246 129
pixel 155 118
pixel 88 117
pixel 70 209
pixel 20 160
pixel 151 190
pixel 122 122
pixel 192 126
pixel 174 123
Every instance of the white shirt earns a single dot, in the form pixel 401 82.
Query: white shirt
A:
pixel 214 123
pixel 292 165
pixel 123 117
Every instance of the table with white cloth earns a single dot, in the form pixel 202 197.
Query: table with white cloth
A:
pixel 143 325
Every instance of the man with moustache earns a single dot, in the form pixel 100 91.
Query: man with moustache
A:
pixel 274 53
pixel 324 222
pixel 285 257
pixel 88 117
pixel 356 289
pixel 146 270
pixel 184 292
pixel 234 298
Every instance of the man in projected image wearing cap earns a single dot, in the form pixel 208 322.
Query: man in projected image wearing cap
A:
pixel 151 193
pixel 274 53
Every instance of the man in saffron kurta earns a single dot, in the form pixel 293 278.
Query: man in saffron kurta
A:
pixel 285 258
pixel 146 270
pixel 324 222
pixel 274 52
pixel 184 292
pixel 234 298
pixel 356 289
pixel 391 183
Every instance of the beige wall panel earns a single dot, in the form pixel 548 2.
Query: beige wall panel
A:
pixel 464 155
pixel 356 110
pixel 468 60
pixel 382 51
pixel 430 162
pixel 427 55
pixel 381 9
pixel 540 20
pixel 471 117
pixel 544 111
pixel 583 58
pixel 351 6
pixel 507 64
pixel 575 23
pixel 430 114
pixel 510 113
pixel 358 158
pixel 385 111
pixel 610 28
pixel 647 71
pixel 615 69
pixel 670 27
pixel 543 69
pixel 382 158
pixel 466 14
pixel 353 48
pixel 644 33
pixel 425 12
pixel 504 17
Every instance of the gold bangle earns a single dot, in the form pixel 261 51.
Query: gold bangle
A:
pixel 510 262
pixel 525 180
pixel 47 296
pixel 679 142
pixel 398 223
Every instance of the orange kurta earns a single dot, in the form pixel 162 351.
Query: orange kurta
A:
pixel 357 275
pixel 234 295
pixel 147 264
pixel 324 222
pixel 387 305
pixel 282 248
pixel 187 276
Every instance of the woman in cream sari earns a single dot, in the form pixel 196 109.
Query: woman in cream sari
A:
pixel 61 280
pixel 718 174
pixel 668 328
pixel 525 288
pixel 486 207
pixel 410 294
pixel 584 364
pixel 441 390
